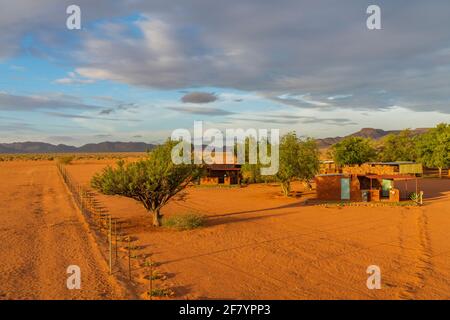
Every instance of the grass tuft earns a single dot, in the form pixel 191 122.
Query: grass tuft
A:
pixel 66 159
pixel 160 293
pixel 185 221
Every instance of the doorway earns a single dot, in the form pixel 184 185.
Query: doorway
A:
pixel 345 188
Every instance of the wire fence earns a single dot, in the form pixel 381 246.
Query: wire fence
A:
pixel 109 229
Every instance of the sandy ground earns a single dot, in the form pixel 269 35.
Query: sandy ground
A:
pixel 260 245
pixel 256 245
pixel 41 234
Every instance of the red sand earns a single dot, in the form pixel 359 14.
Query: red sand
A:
pixel 41 234
pixel 256 245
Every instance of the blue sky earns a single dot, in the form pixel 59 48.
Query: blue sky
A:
pixel 139 69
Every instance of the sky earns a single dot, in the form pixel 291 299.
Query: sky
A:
pixel 137 70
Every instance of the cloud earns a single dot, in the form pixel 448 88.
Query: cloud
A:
pixel 79 116
pixel 299 47
pixel 291 119
pixel 199 97
pixel 202 111
pixel 102 135
pixel 18 127
pixel 106 111
pixel 302 100
pixel 37 102
pixel 340 96
pixel 58 139
pixel 119 106
pixel 73 78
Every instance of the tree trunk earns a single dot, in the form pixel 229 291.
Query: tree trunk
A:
pixel 156 218
pixel 440 172
pixel 286 187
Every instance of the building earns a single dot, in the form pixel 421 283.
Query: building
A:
pixel 220 172
pixel 327 166
pixel 374 181
pixel 225 174
pixel 368 187
pixel 397 167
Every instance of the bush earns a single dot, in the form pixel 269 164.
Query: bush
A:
pixel 65 159
pixel 414 197
pixel 159 292
pixel 185 221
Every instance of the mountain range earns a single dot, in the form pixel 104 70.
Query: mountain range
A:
pixel 107 147
pixel 375 134
pixel 104 147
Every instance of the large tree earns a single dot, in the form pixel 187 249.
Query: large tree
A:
pixel 398 147
pixel 152 181
pixel 353 150
pixel 433 147
pixel 251 172
pixel 298 159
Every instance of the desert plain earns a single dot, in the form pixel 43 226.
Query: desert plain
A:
pixel 256 244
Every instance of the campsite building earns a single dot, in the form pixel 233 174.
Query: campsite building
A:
pixel 221 172
pixel 226 174
pixel 376 181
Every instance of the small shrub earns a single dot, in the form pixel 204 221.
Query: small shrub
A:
pixel 185 221
pixel 65 159
pixel 151 264
pixel 414 196
pixel 156 276
pixel 160 293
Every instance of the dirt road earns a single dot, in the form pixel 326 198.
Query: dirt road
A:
pixel 41 234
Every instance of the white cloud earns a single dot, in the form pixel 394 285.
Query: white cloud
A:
pixel 73 78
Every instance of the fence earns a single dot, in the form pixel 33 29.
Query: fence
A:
pixel 434 172
pixel 110 230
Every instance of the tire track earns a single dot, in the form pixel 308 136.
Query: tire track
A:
pixel 422 255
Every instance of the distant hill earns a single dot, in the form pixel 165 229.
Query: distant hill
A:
pixel 107 147
pixel 104 147
pixel 371 133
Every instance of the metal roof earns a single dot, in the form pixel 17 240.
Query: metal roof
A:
pixel 393 163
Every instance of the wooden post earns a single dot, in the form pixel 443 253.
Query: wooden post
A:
pixel 110 245
pixel 151 280
pixel 406 189
pixel 115 234
pixel 80 196
pixel 129 259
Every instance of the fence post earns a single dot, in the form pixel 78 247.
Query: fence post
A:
pixel 151 279
pixel 115 235
pixel 129 258
pixel 110 245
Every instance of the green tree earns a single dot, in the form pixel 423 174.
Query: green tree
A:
pixel 251 172
pixel 298 159
pixel 153 181
pixel 433 147
pixel 399 147
pixel 353 150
